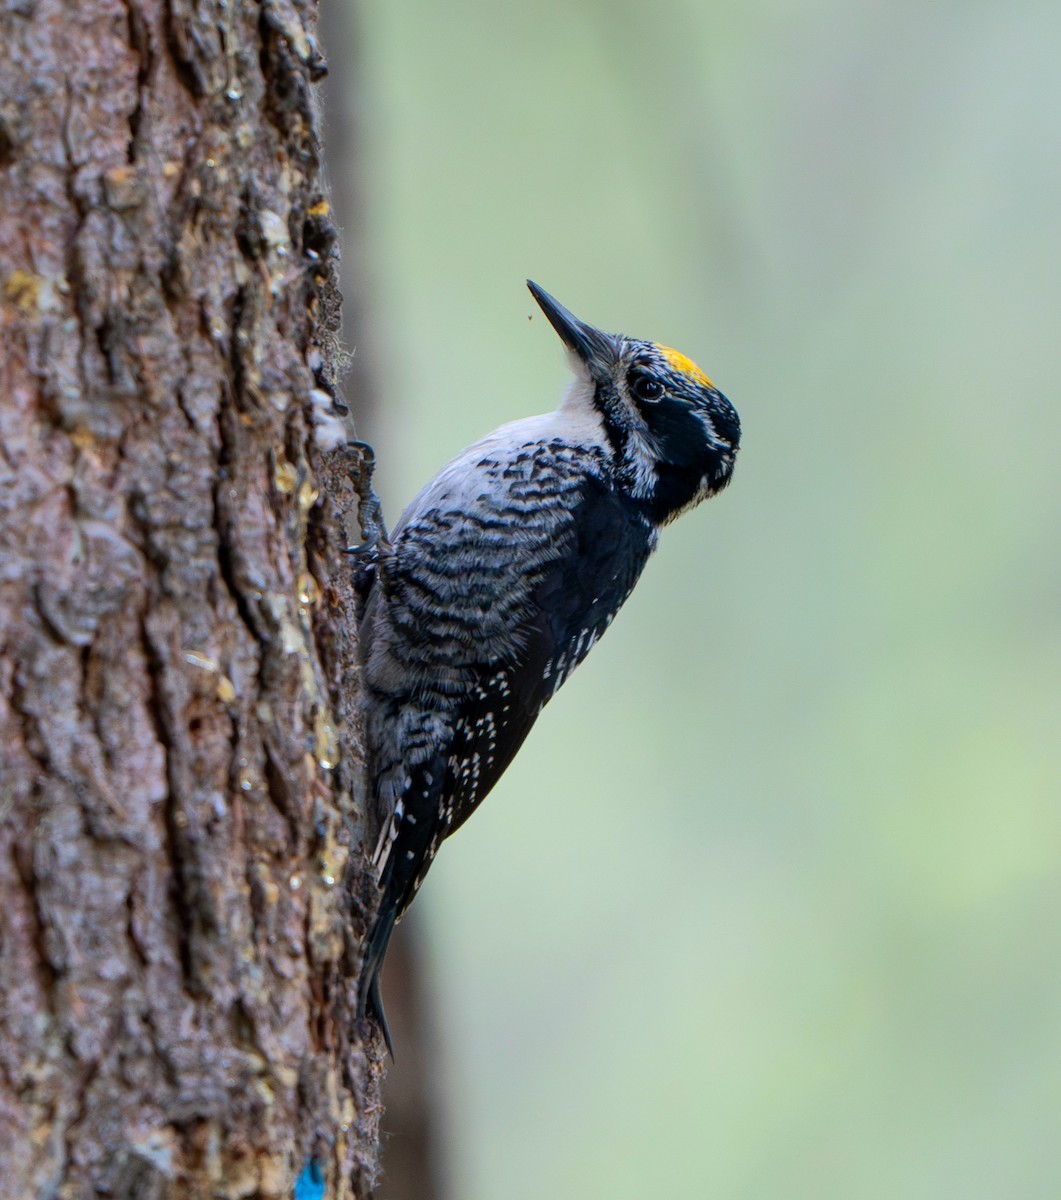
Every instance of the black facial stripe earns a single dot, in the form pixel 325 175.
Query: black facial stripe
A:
pixel 678 432
pixel 607 404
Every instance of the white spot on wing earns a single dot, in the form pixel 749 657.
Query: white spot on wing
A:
pixel 388 836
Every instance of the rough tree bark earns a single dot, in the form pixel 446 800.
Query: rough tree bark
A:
pixel 180 796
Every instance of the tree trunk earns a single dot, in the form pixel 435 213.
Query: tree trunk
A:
pixel 181 801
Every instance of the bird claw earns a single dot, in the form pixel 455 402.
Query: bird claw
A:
pixel 365 557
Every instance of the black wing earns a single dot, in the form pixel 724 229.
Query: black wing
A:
pixel 601 548
pixel 572 604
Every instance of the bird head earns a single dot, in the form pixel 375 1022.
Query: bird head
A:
pixel 672 434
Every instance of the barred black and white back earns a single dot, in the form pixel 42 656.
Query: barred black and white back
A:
pixel 503 573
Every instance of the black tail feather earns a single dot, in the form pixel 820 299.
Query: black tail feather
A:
pixel 369 1000
pixel 405 851
pixel 376 1002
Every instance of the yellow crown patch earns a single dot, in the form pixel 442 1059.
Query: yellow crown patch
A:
pixel 686 365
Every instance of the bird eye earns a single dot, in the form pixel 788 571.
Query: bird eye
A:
pixel 646 388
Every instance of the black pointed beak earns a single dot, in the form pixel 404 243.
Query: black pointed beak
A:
pixel 590 346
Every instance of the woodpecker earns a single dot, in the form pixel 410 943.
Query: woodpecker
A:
pixel 502 574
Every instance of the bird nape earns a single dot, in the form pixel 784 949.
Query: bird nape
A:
pixel 502 574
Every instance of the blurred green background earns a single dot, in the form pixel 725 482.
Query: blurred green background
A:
pixel 769 904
